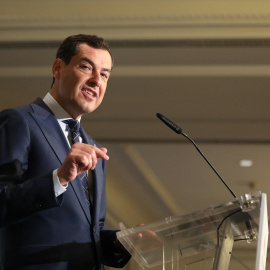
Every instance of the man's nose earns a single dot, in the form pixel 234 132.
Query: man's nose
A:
pixel 95 79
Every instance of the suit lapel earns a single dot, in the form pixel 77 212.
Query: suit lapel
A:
pixel 51 131
pixel 78 190
pixel 97 173
pixel 57 141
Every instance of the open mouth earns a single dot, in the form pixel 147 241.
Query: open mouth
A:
pixel 92 94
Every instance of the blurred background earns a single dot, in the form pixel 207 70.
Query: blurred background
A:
pixel 203 64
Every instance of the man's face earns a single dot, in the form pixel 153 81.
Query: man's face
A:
pixel 82 83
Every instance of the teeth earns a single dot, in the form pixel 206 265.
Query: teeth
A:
pixel 88 92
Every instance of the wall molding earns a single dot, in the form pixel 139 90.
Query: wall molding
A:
pixel 121 19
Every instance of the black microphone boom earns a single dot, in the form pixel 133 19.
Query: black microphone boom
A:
pixel 178 130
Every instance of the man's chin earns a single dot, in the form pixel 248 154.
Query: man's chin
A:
pixel 89 110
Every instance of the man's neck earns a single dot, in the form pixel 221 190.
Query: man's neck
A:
pixel 56 108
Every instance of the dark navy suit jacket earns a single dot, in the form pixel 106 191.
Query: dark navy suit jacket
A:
pixel 37 229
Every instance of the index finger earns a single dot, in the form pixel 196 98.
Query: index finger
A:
pixel 88 148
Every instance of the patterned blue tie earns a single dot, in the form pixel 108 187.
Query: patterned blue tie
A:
pixel 74 129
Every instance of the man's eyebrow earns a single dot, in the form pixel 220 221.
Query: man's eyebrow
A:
pixel 93 64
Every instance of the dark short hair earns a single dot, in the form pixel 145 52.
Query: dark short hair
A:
pixel 69 47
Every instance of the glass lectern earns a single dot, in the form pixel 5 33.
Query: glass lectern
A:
pixel 203 239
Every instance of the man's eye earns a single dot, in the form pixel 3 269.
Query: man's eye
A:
pixel 104 75
pixel 85 67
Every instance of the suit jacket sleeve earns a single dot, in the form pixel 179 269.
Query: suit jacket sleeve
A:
pixel 116 255
pixel 20 194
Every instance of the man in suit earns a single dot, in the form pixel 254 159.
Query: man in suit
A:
pixel 47 220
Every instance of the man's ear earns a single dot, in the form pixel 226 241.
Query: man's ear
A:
pixel 56 68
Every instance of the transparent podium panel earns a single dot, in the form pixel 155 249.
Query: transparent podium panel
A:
pixel 200 240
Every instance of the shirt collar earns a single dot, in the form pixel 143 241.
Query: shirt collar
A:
pixel 57 110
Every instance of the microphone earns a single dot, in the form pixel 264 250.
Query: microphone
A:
pixel 178 130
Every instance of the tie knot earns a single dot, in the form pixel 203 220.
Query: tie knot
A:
pixel 74 125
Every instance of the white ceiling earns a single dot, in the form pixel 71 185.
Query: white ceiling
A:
pixel 203 64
